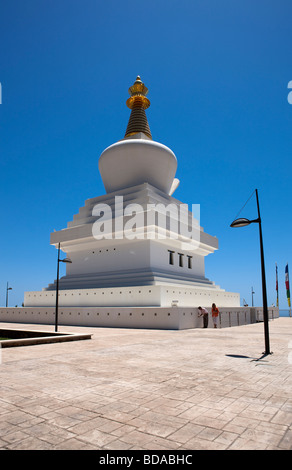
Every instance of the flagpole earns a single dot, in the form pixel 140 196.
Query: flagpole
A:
pixel 288 288
pixel 277 285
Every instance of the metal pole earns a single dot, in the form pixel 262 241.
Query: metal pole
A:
pixel 252 292
pixel 265 303
pixel 7 295
pixel 57 291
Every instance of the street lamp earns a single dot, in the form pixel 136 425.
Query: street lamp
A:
pixel 242 223
pixel 65 260
pixel 252 292
pixel 7 289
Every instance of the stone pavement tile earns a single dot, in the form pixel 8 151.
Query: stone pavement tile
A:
pixel 115 415
pixel 184 405
pixel 157 446
pixel 36 409
pixel 165 402
pixel 181 394
pixel 235 393
pixel 198 443
pixel 271 410
pixel 227 416
pixel 31 443
pixel 250 413
pixel 41 429
pixel 60 420
pixel 287 406
pixel 109 426
pixel 122 430
pixel 55 439
pixel 16 436
pixel 152 427
pixel 32 421
pixel 117 445
pixel 76 413
pixel 218 403
pixel 226 438
pixel 210 434
pixel 192 412
pixel 244 444
pixel 185 433
pixel 84 426
pixel 96 438
pixel 154 416
pixel 3 444
pixel 234 428
pixel 17 417
pixel 212 413
pixel 73 444
pixel 276 400
pixel 197 397
pixel 286 441
pixel 166 410
pixel 273 428
pixel 243 422
pixel 137 439
pixel 207 421
pixel 137 397
pixel 90 391
pixel 93 404
pixel 282 417
pixel 261 437
pixel 121 406
pixel 7 428
pixel 159 443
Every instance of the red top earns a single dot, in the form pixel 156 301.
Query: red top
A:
pixel 215 312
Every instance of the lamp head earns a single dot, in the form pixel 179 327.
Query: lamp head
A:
pixel 240 222
pixel 243 222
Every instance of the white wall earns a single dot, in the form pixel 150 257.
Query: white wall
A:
pixel 127 317
pixel 108 257
pixel 159 295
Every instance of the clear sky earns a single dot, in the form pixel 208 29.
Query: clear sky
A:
pixel 217 73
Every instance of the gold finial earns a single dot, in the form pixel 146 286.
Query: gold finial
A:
pixel 138 90
pixel 138 103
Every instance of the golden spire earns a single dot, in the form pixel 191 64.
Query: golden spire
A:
pixel 138 103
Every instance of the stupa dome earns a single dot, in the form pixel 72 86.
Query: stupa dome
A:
pixel 137 159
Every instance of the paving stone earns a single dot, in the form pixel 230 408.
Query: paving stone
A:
pixel 149 389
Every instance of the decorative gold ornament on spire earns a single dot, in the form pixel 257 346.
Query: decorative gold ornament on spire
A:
pixel 138 103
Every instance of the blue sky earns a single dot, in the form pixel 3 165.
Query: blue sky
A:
pixel 217 73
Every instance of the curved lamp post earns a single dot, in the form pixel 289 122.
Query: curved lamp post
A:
pixel 242 223
pixel 7 289
pixel 65 260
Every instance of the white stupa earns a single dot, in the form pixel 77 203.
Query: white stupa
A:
pixel 128 248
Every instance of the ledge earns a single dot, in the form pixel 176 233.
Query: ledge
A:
pixel 31 337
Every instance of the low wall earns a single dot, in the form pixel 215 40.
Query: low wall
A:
pixel 134 296
pixel 176 318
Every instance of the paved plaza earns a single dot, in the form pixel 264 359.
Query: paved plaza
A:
pixel 129 389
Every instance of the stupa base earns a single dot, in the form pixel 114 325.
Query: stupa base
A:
pixel 136 296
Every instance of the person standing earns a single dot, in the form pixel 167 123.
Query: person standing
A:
pixel 215 315
pixel 204 313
